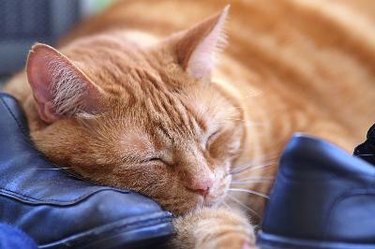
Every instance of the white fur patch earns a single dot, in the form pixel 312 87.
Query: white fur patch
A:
pixel 67 88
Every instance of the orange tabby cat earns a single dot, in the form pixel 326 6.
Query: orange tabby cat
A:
pixel 131 99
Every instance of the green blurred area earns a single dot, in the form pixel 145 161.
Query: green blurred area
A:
pixel 101 4
pixel 98 5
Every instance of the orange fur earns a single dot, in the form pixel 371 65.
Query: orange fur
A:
pixel 291 65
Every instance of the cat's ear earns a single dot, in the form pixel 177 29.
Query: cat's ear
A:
pixel 198 46
pixel 59 87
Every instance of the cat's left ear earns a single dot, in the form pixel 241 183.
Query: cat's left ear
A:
pixel 198 46
pixel 59 87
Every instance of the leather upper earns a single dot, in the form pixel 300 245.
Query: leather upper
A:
pixel 322 193
pixel 57 209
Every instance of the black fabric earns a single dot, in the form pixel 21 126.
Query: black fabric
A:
pixel 321 195
pixel 24 22
pixel 20 18
pixel 366 150
pixel 60 211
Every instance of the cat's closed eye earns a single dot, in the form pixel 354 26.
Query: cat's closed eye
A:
pixel 143 159
pixel 154 160
pixel 212 138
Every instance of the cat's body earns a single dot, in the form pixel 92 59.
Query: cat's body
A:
pixel 289 66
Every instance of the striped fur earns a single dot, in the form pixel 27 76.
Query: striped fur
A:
pixel 290 65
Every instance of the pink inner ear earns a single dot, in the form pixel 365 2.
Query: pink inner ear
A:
pixel 59 87
pixel 41 80
pixel 201 45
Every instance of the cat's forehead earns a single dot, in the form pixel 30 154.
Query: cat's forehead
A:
pixel 172 115
pixel 164 116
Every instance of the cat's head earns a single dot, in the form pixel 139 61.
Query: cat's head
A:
pixel 144 118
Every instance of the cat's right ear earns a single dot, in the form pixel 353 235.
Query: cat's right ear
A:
pixel 198 46
pixel 59 87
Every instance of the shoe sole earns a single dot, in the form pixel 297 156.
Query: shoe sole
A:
pixel 270 241
pixel 142 233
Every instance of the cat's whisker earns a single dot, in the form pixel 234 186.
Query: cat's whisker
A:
pixel 252 166
pixel 251 181
pixel 243 205
pixel 246 164
pixel 249 191
pixel 253 178
pixel 262 166
pixel 264 158
pixel 225 204
pixel 257 178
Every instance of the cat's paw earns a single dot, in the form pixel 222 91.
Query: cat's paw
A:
pixel 224 241
pixel 215 228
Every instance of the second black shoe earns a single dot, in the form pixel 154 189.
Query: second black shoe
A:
pixel 323 198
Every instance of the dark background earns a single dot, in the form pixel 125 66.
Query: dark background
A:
pixel 24 22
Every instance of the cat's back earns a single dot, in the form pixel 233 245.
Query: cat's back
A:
pixel 295 42
pixel 320 51
pixel 316 53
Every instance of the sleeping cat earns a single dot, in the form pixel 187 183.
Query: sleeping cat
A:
pixel 135 98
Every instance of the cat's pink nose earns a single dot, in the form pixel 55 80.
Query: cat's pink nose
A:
pixel 201 186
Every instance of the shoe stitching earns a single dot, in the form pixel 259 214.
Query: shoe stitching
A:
pixel 163 218
pixel 52 202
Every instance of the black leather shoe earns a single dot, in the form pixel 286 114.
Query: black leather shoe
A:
pixel 322 198
pixel 60 211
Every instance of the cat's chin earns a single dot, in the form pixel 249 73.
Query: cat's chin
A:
pixel 209 203
pixel 210 200
pixel 196 202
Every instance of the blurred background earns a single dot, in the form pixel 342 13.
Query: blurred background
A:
pixel 24 22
